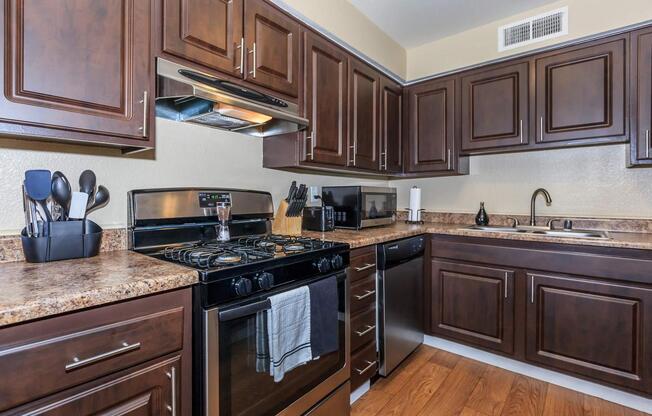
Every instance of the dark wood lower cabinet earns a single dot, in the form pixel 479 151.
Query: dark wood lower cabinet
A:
pixel 597 329
pixel 580 310
pixel 474 304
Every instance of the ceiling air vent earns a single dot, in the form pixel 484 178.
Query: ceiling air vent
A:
pixel 533 29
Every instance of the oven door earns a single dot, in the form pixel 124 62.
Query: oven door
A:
pixel 377 206
pixel 234 387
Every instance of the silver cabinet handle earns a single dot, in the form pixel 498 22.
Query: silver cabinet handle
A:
pixel 449 159
pixel 520 128
pixel 370 365
pixel 145 103
pixel 172 375
pixel 366 295
pixel 253 52
pixel 647 143
pixel 78 363
pixel 309 154
pixel 505 285
pixel 240 67
pixel 531 288
pixel 367 266
pixel 383 155
pixel 354 147
pixel 366 331
pixel 541 129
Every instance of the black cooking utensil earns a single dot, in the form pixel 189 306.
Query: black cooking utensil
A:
pixel 61 192
pixel 37 186
pixel 292 189
pixel 102 197
pixel 292 196
pixel 297 203
pixel 87 183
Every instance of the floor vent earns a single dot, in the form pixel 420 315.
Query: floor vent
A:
pixel 533 29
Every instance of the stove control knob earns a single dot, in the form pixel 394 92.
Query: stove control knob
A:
pixel 323 265
pixel 242 286
pixel 265 280
pixel 337 262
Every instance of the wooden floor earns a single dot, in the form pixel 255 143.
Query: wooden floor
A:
pixel 433 382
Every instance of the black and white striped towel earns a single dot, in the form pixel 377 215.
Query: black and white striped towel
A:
pixel 288 331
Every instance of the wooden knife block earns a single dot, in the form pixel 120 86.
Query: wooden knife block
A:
pixel 286 225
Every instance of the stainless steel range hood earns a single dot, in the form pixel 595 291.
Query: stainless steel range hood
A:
pixel 187 95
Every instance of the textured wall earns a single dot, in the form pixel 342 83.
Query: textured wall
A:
pixel 480 44
pixel 591 181
pixel 186 155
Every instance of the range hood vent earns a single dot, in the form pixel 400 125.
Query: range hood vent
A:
pixel 187 95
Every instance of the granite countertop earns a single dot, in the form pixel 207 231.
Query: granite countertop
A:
pixel 370 236
pixel 30 291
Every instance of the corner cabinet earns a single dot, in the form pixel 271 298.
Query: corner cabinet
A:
pixel 92 81
pixel 640 152
pixel 433 117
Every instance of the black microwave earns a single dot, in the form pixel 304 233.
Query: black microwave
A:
pixel 361 206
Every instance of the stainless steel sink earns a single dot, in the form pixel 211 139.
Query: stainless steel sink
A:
pixel 543 231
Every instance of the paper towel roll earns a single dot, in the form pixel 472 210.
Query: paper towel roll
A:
pixel 415 204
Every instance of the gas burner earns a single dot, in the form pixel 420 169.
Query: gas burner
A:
pixel 293 247
pixel 228 258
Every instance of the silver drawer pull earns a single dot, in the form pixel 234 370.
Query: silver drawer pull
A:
pixel 77 363
pixel 366 295
pixel 367 266
pixel 366 331
pixel 370 365
pixel 172 375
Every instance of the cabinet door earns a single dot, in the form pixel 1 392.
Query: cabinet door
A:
pixel 325 101
pixel 364 112
pixel 641 97
pixel 495 105
pixel 432 126
pixel 580 94
pixel 272 41
pixel 391 126
pixel 77 65
pixel 145 391
pixel 595 329
pixel 206 32
pixel 474 304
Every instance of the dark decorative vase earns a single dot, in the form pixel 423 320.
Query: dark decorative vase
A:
pixel 482 218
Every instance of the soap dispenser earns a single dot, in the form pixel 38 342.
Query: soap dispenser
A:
pixel 482 218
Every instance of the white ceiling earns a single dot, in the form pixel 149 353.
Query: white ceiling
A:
pixel 416 22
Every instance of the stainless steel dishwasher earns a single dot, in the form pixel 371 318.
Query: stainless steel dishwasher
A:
pixel 400 300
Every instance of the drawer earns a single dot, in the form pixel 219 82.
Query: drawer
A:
pixel 364 364
pixel 363 264
pixel 53 354
pixel 363 294
pixel 363 328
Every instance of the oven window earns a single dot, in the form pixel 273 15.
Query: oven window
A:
pixel 378 205
pixel 244 391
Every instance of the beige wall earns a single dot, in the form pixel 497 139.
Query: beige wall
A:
pixel 186 155
pixel 474 46
pixel 346 22
pixel 590 181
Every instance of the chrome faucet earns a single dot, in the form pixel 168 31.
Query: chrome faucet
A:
pixel 533 218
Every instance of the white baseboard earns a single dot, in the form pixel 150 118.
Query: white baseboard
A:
pixel 357 393
pixel 616 396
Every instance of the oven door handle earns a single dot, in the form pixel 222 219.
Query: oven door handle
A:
pixel 246 310
pixel 252 308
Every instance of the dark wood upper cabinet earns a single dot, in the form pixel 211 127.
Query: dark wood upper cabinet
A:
pixel 78 70
pixel 272 41
pixel 364 103
pixel 325 100
pixel 206 32
pixel 474 304
pixel 391 126
pixel 581 93
pixel 495 107
pixel 431 145
pixel 640 152
pixel 595 329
